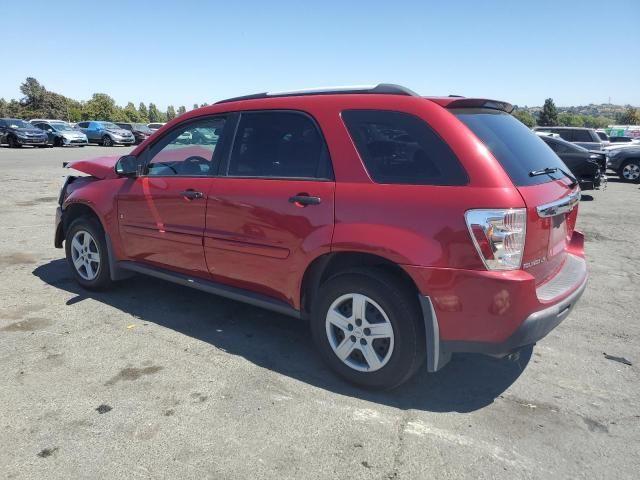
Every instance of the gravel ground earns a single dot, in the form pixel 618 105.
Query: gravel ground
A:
pixel 153 380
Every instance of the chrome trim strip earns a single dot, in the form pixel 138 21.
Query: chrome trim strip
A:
pixel 563 205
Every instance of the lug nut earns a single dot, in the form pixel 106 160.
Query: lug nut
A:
pixel 350 327
pixel 367 331
pixel 358 322
pixel 353 338
pixel 363 341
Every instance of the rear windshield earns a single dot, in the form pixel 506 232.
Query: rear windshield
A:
pixel 517 148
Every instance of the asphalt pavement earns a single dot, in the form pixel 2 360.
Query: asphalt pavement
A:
pixel 154 380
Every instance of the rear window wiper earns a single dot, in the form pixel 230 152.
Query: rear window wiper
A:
pixel 549 170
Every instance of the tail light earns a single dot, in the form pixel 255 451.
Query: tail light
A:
pixel 498 236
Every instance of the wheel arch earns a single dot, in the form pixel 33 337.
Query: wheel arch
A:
pixel 75 210
pixel 327 265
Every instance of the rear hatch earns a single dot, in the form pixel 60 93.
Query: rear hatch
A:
pixel 551 197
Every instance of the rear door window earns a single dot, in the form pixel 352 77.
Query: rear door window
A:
pixel 399 148
pixel 279 144
pixel 517 148
pixel 582 136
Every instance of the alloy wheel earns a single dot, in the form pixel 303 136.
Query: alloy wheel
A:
pixel 359 332
pixel 631 171
pixel 85 255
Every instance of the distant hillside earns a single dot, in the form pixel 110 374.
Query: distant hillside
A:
pixel 608 110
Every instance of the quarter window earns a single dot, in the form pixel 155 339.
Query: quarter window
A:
pixel 401 148
pixel 278 145
pixel 188 150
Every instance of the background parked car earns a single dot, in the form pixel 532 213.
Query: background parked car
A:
pixel 17 132
pixel 603 135
pixel 588 167
pixel 626 163
pixel 585 137
pixel 61 133
pixel 140 131
pixel 155 126
pixel 106 133
pixel 623 140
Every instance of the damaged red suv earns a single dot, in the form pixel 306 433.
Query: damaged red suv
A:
pixel 404 228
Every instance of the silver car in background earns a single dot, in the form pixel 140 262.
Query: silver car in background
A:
pixel 106 133
pixel 61 133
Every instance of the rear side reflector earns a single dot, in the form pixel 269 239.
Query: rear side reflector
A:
pixel 498 236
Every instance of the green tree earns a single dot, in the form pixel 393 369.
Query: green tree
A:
pixel 143 113
pixel 14 109
pixel 182 110
pixel 100 107
pixel 39 102
pixel 205 104
pixel 630 116
pixel 525 117
pixel 549 114
pixel 131 113
pixel 3 107
pixel 155 115
pixel 171 113
pixel 75 110
pixel 195 106
pixel 566 119
pixel 34 94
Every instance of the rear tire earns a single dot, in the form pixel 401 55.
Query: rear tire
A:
pixel 106 141
pixel 87 253
pixel 383 349
pixel 630 171
pixel 58 142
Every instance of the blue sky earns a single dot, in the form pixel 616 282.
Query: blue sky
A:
pixel 185 52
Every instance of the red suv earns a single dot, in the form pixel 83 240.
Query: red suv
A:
pixel 403 228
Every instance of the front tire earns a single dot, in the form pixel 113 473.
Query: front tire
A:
pixel 87 254
pixel 630 171
pixel 107 141
pixel 369 329
pixel 13 143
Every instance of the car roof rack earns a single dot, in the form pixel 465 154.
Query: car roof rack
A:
pixel 381 88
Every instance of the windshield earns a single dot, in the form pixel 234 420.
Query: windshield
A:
pixel 517 148
pixel 61 127
pixel 110 125
pixel 141 127
pixel 18 124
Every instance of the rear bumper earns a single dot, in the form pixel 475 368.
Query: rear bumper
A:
pixel 534 328
pixel 494 313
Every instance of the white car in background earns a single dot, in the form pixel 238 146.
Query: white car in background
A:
pixel 155 126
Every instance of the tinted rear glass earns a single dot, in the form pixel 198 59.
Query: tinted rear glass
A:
pixel 517 148
pixel 400 148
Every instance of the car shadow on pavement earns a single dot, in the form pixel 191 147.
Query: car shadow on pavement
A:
pixel 283 344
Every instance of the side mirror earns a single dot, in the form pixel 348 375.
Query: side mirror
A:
pixel 129 166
